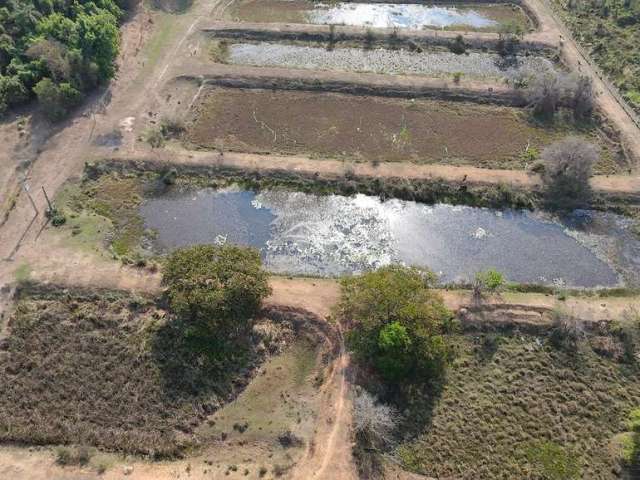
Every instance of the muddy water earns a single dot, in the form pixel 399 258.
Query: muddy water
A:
pixel 477 65
pixel 333 235
pixel 387 15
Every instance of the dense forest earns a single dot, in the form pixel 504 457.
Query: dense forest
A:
pixel 610 31
pixel 56 50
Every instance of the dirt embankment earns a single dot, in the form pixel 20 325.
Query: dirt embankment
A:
pixel 375 37
pixel 351 83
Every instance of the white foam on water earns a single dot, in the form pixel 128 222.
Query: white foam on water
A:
pixel 388 15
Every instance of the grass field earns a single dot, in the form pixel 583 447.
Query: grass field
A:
pixel 511 404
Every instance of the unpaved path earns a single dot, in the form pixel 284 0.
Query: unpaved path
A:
pixel 63 155
pixel 607 184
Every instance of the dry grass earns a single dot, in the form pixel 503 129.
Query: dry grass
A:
pixel 107 369
pixel 501 404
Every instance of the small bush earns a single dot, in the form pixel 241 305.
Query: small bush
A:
pixel 488 281
pixel 457 77
pixel 567 331
pixel 458 46
pixel 172 127
pixel 155 138
pixel 73 456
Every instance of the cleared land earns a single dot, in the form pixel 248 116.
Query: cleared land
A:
pixel 508 394
pixel 370 128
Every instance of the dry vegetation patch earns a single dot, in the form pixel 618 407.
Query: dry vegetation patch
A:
pixel 109 369
pixel 511 403
pixel 376 129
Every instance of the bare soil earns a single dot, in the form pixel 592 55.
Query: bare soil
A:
pixel 365 128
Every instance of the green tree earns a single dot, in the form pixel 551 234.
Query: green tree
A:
pixel 397 322
pixel 394 347
pixel 57 100
pixel 216 289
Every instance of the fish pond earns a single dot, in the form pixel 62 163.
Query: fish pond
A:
pixel 477 17
pixel 305 234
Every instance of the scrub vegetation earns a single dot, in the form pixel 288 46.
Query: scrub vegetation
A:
pixel 610 31
pixel 490 403
pixel 122 372
pixel 56 50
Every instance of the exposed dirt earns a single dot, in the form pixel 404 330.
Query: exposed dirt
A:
pixel 364 128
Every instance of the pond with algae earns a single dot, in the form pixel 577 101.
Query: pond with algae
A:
pixel 305 234
pixel 477 17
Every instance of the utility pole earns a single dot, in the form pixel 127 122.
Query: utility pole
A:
pixel 50 208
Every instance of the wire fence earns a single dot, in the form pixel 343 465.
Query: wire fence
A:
pixel 612 89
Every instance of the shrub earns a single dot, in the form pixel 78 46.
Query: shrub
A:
pixel 373 422
pixel 373 425
pixel 632 449
pixel 57 100
pixel 566 331
pixel 487 281
pixel 546 90
pixel 217 289
pixel 456 77
pixel 458 46
pixel 171 127
pixel 568 166
pixel 397 323
pixel 73 456
pixel 155 138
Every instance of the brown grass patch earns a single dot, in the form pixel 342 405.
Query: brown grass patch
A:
pixel 108 369
pixel 365 128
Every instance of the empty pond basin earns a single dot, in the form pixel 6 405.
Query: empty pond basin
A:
pixel 397 62
pixel 306 234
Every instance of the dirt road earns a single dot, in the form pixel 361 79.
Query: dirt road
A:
pixel 623 185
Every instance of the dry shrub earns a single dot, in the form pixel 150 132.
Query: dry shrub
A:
pixel 568 167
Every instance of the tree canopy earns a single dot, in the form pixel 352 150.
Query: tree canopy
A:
pixel 217 289
pixel 70 45
pixel 397 323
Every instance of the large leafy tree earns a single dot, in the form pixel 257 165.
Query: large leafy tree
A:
pixel 217 290
pixel 397 323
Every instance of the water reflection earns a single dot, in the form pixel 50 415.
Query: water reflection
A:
pixel 332 235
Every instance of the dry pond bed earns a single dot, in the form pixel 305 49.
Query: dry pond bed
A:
pixel 361 128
